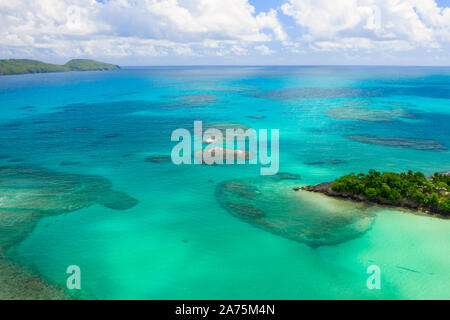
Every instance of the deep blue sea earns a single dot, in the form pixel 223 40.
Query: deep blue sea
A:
pixel 186 234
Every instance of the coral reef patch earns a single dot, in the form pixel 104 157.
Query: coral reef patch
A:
pixel 369 114
pixel 413 143
pixel 28 193
pixel 268 203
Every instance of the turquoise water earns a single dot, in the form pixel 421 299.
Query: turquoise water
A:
pixel 181 241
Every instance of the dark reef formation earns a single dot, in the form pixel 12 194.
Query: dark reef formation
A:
pixel 285 176
pixel 267 203
pixel 351 92
pixel 325 162
pixel 27 108
pixel 198 98
pixel 159 158
pixel 369 114
pixel 69 163
pixel 111 135
pixel 257 117
pixel 53 131
pixel 28 193
pixel 413 143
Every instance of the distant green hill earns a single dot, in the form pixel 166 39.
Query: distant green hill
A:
pixel 88 65
pixel 21 66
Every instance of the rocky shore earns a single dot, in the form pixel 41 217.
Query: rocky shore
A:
pixel 326 189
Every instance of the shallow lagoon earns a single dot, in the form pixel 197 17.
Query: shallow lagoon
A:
pixel 179 241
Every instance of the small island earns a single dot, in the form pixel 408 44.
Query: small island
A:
pixel 412 190
pixel 23 66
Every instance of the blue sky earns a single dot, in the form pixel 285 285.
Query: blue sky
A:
pixel 219 32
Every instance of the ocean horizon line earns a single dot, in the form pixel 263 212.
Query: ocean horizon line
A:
pixel 279 65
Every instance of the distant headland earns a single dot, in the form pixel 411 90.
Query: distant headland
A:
pixel 412 190
pixel 23 66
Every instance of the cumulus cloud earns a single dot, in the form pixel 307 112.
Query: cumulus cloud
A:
pixel 369 24
pixel 263 49
pixel 191 28
pixel 133 27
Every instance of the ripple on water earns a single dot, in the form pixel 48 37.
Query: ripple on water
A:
pixel 314 219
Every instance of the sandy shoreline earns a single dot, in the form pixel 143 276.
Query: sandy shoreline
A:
pixel 325 189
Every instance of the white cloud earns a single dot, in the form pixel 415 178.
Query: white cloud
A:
pixel 45 29
pixel 132 27
pixel 183 50
pixel 263 49
pixel 369 24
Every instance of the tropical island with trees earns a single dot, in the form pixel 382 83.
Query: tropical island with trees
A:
pixel 412 190
pixel 23 66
